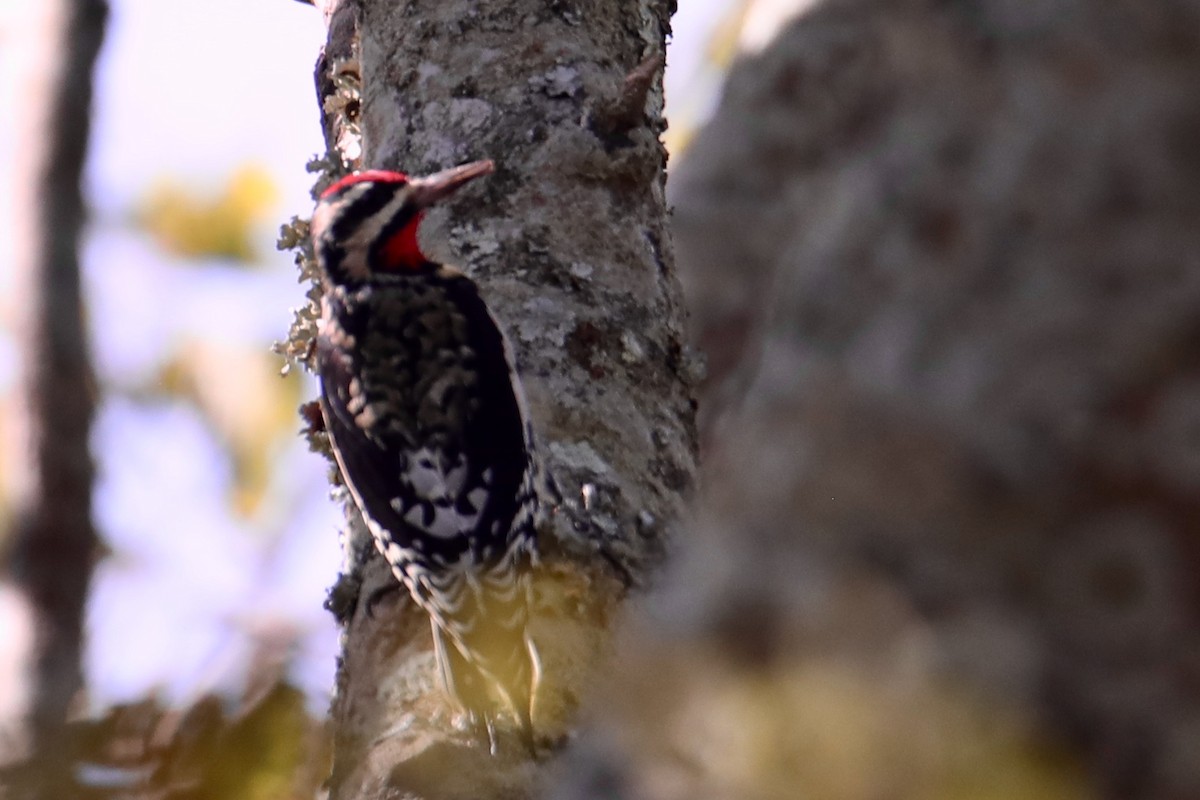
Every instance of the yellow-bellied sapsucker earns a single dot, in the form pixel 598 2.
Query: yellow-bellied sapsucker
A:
pixel 427 421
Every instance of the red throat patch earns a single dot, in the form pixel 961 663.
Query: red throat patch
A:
pixel 401 252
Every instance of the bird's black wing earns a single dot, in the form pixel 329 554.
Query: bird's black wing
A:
pixel 424 422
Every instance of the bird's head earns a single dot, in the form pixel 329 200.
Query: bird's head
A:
pixel 367 222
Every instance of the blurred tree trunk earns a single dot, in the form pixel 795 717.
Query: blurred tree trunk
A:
pixel 946 257
pixel 54 541
pixel 568 241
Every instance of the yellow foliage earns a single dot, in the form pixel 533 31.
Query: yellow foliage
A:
pixel 724 46
pixel 677 138
pixel 192 226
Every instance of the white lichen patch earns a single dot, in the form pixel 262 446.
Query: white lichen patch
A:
pixel 427 70
pixel 343 104
pixel 479 242
pixel 302 332
pixel 440 150
pixel 581 456
pixel 542 320
pixel 470 114
pixel 328 168
pixel 631 349
pixel 560 81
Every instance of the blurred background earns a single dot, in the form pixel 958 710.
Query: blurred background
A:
pixel 944 262
pixel 185 294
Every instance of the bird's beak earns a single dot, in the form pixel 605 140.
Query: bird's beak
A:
pixel 432 188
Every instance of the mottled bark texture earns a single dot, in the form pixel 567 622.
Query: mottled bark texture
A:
pixel 568 241
pixel 54 541
pixel 946 259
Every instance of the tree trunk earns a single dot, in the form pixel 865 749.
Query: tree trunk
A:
pixel 569 244
pixel 958 361
pixel 54 543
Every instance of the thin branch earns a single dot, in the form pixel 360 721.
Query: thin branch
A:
pixel 55 540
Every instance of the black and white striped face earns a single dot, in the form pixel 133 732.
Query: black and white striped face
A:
pixel 356 218
pixel 367 222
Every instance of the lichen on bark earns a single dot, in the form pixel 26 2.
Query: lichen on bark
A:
pixel 569 244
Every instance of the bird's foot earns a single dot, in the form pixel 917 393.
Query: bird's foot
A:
pixel 483 729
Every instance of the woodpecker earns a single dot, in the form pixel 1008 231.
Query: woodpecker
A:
pixel 427 420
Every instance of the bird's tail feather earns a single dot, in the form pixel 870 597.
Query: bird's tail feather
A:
pixel 485 655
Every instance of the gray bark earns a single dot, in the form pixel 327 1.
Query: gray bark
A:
pixel 568 241
pixel 946 258
pixel 54 540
